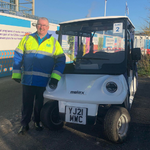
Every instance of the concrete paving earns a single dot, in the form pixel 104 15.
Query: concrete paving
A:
pixel 71 137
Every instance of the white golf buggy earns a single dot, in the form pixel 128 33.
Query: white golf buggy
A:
pixel 100 78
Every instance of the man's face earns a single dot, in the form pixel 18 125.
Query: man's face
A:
pixel 42 27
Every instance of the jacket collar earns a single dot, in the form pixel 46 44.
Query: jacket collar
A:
pixel 36 37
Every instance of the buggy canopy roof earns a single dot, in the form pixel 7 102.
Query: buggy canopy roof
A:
pixel 97 18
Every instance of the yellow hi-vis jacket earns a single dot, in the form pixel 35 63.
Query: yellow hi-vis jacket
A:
pixel 37 63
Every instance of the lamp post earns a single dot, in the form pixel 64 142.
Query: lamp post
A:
pixel 105 8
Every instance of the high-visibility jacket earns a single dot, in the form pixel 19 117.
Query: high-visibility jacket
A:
pixel 37 63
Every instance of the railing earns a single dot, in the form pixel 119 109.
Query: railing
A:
pixel 7 5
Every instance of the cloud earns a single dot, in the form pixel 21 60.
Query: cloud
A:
pixel 90 10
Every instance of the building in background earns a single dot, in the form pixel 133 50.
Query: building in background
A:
pixel 142 41
pixel 16 22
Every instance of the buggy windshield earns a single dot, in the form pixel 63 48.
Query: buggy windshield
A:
pixel 93 45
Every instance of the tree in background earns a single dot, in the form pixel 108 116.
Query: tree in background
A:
pixel 71 41
pixel 144 64
pixel 146 28
pixel 100 44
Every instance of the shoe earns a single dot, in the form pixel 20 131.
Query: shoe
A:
pixel 37 126
pixel 23 129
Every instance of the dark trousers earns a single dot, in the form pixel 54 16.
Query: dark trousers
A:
pixel 32 100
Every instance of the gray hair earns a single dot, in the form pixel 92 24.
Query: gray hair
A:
pixel 43 18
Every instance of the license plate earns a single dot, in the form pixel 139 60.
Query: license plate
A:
pixel 75 115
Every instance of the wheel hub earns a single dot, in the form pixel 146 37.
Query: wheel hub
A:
pixel 55 116
pixel 122 125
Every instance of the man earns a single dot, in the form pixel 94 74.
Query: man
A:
pixel 37 58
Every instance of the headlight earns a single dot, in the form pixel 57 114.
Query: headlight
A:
pixel 111 87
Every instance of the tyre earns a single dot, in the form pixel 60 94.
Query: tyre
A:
pixel 50 116
pixel 127 104
pixel 102 110
pixel 116 124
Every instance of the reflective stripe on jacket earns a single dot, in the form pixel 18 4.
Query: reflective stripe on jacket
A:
pixel 36 63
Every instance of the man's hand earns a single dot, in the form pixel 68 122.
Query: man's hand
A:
pixel 18 80
pixel 53 83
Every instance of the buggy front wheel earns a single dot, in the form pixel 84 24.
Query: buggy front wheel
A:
pixel 50 116
pixel 116 124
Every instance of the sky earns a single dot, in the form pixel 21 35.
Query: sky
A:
pixel 65 10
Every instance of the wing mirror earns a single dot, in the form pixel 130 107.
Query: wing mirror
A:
pixel 57 32
pixel 136 54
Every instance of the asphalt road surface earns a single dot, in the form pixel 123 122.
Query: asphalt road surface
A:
pixel 71 137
